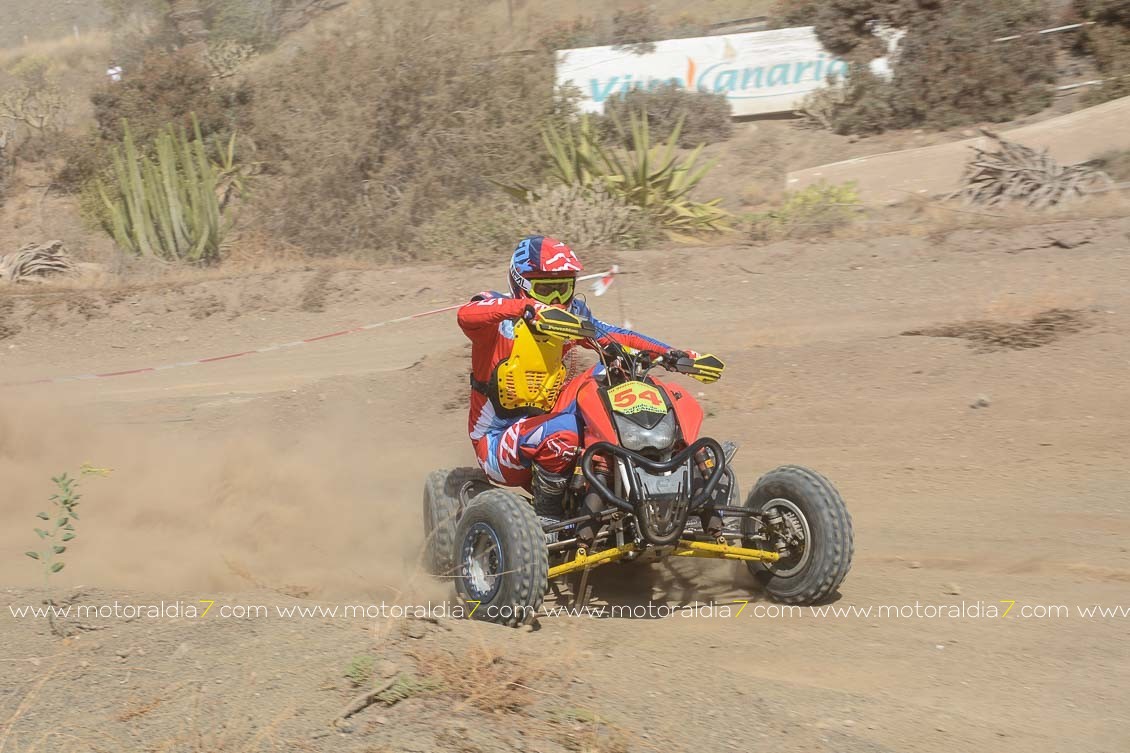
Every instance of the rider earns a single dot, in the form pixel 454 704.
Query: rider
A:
pixel 529 447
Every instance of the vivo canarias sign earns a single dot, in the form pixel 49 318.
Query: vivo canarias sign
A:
pixel 759 72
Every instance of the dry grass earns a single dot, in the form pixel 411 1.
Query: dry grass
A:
pixel 481 677
pixel 530 20
pixel 68 51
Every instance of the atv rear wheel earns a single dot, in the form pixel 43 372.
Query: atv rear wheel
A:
pixel 802 508
pixel 502 565
pixel 441 507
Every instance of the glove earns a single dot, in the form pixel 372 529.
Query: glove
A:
pixel 671 358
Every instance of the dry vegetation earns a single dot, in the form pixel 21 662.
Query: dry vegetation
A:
pixel 948 70
pixel 382 130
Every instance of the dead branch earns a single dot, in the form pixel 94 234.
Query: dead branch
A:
pixel 364 701
pixel 36 261
pixel 1016 173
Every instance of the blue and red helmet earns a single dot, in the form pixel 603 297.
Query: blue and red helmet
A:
pixel 544 269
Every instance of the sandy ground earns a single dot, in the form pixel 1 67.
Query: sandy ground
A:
pixel 983 461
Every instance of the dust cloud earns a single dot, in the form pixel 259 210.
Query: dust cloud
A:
pixel 330 511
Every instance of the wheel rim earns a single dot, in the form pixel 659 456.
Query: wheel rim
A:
pixel 482 562
pixel 795 525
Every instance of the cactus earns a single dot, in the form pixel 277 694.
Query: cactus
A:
pixel 167 206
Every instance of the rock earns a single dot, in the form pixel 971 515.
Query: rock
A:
pixel 952 589
pixel 982 401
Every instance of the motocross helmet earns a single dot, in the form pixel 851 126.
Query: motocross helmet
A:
pixel 544 269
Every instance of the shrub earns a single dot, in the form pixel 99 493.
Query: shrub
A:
pixel 948 70
pixel 633 30
pixel 83 158
pixel 32 108
pixel 1108 41
pixel 860 103
pixel 169 88
pixel 481 228
pixel 705 116
pixel 374 139
pixel 786 14
pixel 569 35
pixel 587 216
pixel 816 210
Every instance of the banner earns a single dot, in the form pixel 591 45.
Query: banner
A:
pixel 759 72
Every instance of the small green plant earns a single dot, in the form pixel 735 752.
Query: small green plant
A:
pixel 360 670
pixel 651 177
pixel 170 206
pixel 407 686
pixel 58 524
pixel 816 210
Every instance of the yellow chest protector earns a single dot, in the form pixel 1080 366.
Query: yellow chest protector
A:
pixel 530 380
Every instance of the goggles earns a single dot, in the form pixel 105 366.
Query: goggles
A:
pixel 552 290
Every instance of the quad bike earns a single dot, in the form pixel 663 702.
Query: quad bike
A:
pixel 648 486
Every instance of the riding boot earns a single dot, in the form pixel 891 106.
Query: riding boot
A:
pixel 549 493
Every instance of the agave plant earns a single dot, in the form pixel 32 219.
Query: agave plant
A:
pixel 169 206
pixel 653 178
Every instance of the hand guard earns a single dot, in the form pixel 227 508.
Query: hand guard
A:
pixel 556 322
pixel 705 368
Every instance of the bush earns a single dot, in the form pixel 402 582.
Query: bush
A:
pixel 32 108
pixel 84 157
pixel 587 216
pixel 167 89
pixel 1109 43
pixel 817 210
pixel 633 30
pixel 636 30
pixel 705 116
pixel 372 139
pixel 862 103
pixel 948 70
pixel 482 229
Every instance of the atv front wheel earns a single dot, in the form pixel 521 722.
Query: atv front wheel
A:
pixel 805 519
pixel 441 506
pixel 502 565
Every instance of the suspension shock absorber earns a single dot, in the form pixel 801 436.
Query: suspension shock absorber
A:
pixel 775 522
pixel 711 520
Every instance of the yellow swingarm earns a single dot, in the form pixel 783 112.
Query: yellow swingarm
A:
pixel 584 560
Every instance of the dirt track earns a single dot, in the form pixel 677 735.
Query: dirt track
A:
pixel 297 474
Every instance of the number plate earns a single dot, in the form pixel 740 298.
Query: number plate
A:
pixel 636 397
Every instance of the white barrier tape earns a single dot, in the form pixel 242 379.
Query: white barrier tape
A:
pixel 605 279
